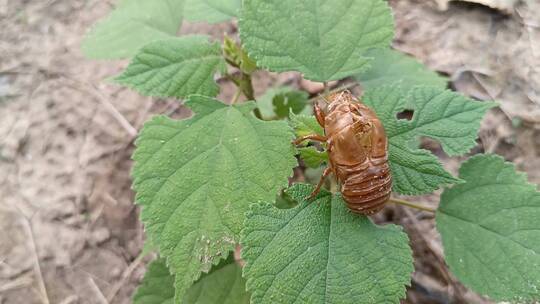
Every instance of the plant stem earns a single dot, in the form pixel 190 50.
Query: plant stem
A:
pixel 232 78
pixel 333 185
pixel 236 96
pixel 258 113
pixel 244 84
pixel 412 205
pixel 247 86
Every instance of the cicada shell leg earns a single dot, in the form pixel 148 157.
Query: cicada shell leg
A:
pixel 319 114
pixel 315 137
pixel 326 172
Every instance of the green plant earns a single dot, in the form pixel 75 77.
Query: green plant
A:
pixel 211 182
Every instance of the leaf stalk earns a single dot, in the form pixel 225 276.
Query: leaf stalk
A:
pixel 411 205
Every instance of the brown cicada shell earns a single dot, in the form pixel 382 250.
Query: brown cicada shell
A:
pixel 358 153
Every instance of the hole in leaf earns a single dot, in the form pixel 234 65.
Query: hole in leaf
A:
pixel 405 114
pixel 432 145
pixel 284 201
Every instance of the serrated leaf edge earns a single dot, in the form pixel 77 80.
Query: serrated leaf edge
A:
pixel 482 106
pixel 122 79
pixel 257 58
pixel 244 108
pixel 323 193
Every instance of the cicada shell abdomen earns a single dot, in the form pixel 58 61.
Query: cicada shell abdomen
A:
pixel 358 153
pixel 367 187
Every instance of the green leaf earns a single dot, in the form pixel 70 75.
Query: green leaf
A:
pixel 279 102
pixel 319 252
pixel 443 115
pixel 133 24
pixel 325 40
pixel 177 67
pixel 393 67
pixel 156 286
pixel 292 101
pixel 212 11
pixel 305 125
pixel 223 285
pixel 490 230
pixel 312 157
pixel 195 178
pixel 448 117
pixel 416 171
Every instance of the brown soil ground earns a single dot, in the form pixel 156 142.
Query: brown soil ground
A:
pixel 69 230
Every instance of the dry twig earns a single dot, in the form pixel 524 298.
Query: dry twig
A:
pixel 125 276
pixel 97 291
pixel 37 267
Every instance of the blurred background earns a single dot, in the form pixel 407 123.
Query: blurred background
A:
pixel 69 232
